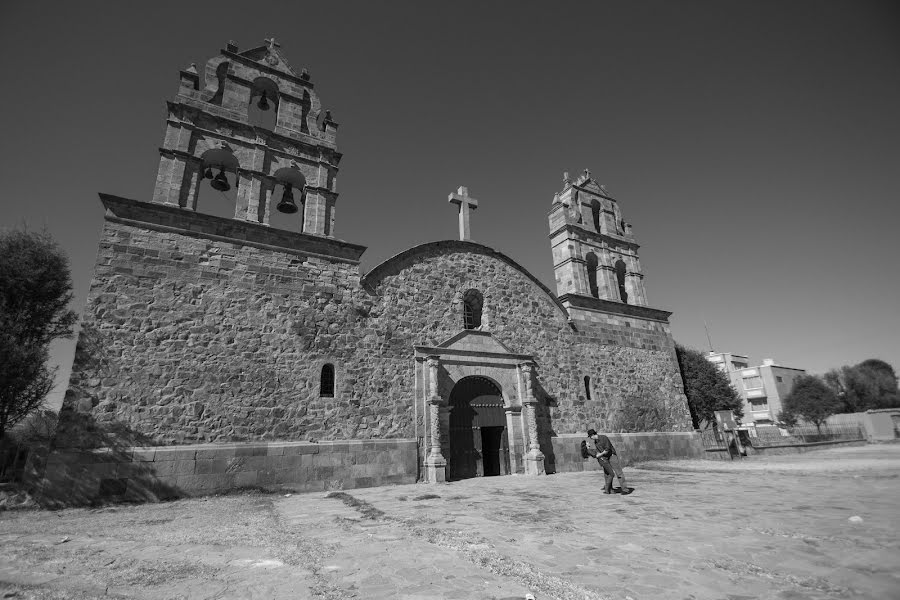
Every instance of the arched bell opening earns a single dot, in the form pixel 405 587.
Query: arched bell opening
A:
pixel 287 206
pixel 591 263
pixel 478 438
pixel 217 192
pixel 264 100
pixel 218 94
pixel 620 280
pixel 597 215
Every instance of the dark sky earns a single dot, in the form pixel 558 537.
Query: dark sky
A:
pixel 754 146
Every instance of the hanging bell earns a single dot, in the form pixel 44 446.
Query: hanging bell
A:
pixel 207 174
pixel 263 103
pixel 220 182
pixel 287 205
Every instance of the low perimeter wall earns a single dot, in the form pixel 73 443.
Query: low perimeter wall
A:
pixel 73 477
pixel 799 448
pixel 881 424
pixel 163 472
pixel 630 447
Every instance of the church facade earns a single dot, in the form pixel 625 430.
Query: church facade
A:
pixel 225 352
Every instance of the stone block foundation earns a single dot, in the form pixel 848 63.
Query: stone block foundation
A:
pixel 74 477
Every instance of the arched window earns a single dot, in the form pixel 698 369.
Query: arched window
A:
pixel 472 305
pixel 326 382
pixel 620 277
pixel 587 387
pixel 591 261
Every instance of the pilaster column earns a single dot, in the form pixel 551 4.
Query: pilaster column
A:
pixel 435 463
pixel 606 277
pixel 187 195
pixel 248 188
pixel 635 279
pixel 534 458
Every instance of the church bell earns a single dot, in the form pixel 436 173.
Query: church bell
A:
pixel 287 204
pixel 263 103
pixel 220 182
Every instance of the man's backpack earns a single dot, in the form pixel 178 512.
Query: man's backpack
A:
pixel 584 450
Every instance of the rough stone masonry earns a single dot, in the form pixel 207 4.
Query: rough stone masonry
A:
pixel 203 333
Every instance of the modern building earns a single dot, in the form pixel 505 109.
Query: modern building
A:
pixel 762 387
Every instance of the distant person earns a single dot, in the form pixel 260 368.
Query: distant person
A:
pixel 605 454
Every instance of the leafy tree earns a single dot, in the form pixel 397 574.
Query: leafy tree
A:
pixel 811 399
pixel 35 291
pixel 870 384
pixel 787 418
pixel 707 388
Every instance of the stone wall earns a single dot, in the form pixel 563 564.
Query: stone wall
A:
pixel 631 448
pixel 190 337
pixel 76 477
pixel 627 358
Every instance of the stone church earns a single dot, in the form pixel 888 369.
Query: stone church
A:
pixel 224 352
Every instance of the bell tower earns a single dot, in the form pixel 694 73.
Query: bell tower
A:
pixel 210 134
pixel 594 252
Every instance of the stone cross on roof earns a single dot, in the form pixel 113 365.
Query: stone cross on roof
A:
pixel 271 43
pixel 466 202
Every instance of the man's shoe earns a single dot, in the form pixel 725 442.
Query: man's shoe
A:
pixel 605 492
pixel 617 490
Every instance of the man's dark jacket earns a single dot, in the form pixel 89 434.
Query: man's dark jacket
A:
pixel 604 448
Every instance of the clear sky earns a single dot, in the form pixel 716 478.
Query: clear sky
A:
pixel 754 146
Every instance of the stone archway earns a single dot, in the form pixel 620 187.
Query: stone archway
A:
pixel 477 432
pixel 485 367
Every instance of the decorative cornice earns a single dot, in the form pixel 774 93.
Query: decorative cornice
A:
pixel 582 302
pixel 267 69
pixel 174 219
pixel 602 237
pixel 194 103
pixel 323 152
pixel 445 353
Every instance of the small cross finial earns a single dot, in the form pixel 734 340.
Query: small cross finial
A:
pixel 466 203
pixel 587 173
pixel 272 43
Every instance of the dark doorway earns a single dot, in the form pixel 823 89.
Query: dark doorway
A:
pixel 478 441
pixel 492 455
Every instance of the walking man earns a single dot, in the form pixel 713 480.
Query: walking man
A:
pixel 606 455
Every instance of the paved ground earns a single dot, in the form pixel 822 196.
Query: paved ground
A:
pixel 821 525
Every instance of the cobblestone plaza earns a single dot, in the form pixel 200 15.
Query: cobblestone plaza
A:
pixel 819 525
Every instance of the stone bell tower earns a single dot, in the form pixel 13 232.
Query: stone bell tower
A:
pixel 210 133
pixel 594 252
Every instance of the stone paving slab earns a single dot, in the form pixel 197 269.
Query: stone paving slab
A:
pixel 751 529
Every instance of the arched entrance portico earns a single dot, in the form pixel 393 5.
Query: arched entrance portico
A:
pixel 478 439
pixel 478 409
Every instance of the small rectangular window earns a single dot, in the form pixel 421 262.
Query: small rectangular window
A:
pixel 778 378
